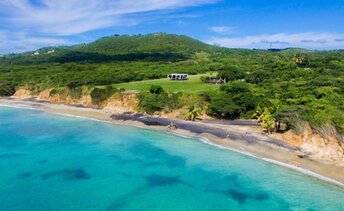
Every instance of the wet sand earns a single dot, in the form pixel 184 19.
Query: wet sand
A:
pixel 243 139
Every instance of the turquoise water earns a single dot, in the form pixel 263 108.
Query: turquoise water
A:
pixel 50 162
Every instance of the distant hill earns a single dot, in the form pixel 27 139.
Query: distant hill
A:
pixel 151 47
pixel 152 43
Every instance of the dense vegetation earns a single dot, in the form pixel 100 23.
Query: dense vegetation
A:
pixel 281 87
pixel 107 61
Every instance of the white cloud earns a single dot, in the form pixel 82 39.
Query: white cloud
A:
pixel 282 40
pixel 13 42
pixel 70 17
pixel 221 29
pixel 46 19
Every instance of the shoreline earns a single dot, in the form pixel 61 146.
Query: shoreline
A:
pixel 267 151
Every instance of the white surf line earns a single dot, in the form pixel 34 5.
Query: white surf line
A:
pixel 276 162
pixel 80 117
pixel 44 108
pixel 113 122
pixel 200 138
pixel 23 106
pixel 181 135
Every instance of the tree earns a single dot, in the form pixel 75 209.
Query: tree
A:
pixel 156 89
pixel 193 113
pixel 154 100
pixel 150 102
pixel 231 73
pixel 7 89
pixel 300 60
pixel 259 111
pixel 202 57
pixel 98 95
pixel 258 76
pixel 222 105
pixel 241 95
pixel 267 121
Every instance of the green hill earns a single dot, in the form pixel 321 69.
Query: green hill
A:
pixel 151 47
pixel 109 60
pixel 154 43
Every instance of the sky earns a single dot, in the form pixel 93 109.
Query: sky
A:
pixel 27 25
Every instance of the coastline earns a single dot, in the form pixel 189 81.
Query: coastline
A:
pixel 264 150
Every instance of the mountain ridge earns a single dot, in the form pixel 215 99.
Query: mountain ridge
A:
pixel 148 43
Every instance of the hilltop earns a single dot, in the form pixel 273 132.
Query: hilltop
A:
pixel 151 47
pixel 152 43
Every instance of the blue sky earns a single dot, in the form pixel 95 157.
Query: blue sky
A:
pixel 312 24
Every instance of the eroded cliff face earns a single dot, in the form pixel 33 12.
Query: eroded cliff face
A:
pixel 327 148
pixel 118 103
pixel 58 98
pixel 22 93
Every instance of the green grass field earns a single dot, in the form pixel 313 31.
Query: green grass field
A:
pixel 194 84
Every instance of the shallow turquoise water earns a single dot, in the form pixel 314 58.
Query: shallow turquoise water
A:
pixel 50 162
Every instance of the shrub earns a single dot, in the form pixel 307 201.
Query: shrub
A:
pixel 231 73
pixel 156 89
pixel 151 103
pixel 193 113
pixel 205 79
pixel 205 96
pixel 7 89
pixel 157 100
pixel 267 121
pixel 54 92
pixel 75 93
pixel 173 101
pixel 99 95
pixel 223 106
pixel 241 95
pixel 74 84
pixel 257 77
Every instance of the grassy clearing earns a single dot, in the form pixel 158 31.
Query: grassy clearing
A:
pixel 194 84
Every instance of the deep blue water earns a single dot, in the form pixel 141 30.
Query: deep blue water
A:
pixel 50 162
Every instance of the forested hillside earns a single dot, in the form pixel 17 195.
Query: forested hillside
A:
pixel 109 60
pixel 290 86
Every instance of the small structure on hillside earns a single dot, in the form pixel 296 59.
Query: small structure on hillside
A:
pixel 216 80
pixel 178 76
pixel 213 80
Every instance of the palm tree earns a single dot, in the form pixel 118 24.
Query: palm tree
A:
pixel 193 113
pixel 259 111
pixel 267 121
pixel 298 59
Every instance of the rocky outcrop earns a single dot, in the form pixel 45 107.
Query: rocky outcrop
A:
pixel 61 98
pixel 22 93
pixel 323 147
pixel 118 103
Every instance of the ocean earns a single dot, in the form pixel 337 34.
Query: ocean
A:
pixel 53 162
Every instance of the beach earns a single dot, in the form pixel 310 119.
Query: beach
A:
pixel 245 140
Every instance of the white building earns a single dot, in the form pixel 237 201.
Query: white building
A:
pixel 178 76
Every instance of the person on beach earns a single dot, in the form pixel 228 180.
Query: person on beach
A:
pixel 172 126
